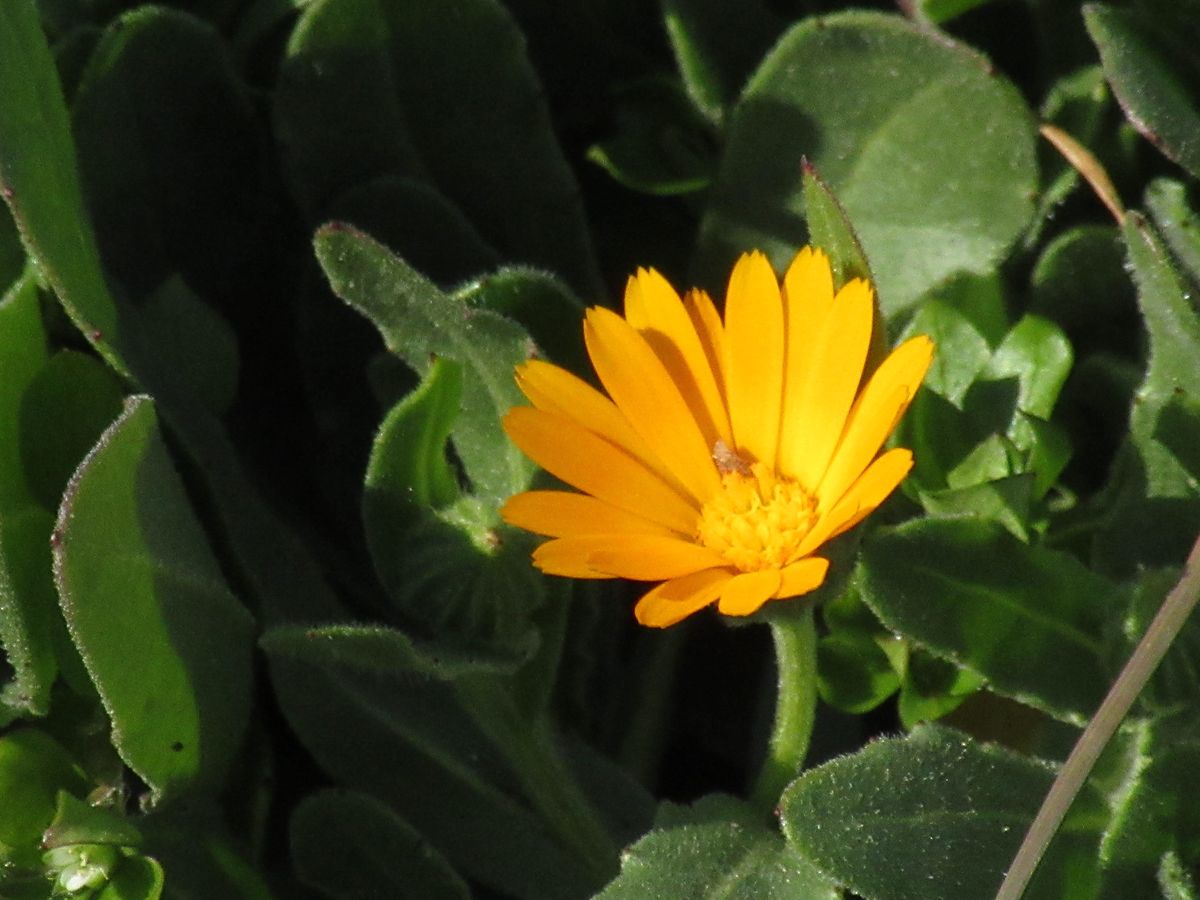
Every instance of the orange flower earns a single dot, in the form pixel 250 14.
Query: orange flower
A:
pixel 730 451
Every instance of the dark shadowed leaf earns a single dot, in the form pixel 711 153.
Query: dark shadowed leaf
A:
pixel 350 845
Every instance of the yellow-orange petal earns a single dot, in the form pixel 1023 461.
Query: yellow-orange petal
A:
pixel 801 577
pixel 639 558
pixel 650 557
pixel 678 598
pixel 563 557
pixel 817 403
pixel 754 341
pixel 654 309
pixel 747 591
pixel 871 489
pixel 807 297
pixel 639 384
pixel 556 390
pixel 566 514
pixel 587 461
pixel 707 322
pixel 874 415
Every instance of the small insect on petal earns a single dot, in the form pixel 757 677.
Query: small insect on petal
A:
pixel 727 459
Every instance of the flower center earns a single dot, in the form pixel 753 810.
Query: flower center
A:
pixel 757 520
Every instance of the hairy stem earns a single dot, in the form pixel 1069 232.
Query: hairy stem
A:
pixel 795 639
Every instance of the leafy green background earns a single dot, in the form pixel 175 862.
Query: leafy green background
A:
pixel 265 269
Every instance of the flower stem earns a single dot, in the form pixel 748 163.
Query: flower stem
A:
pixel 1141 665
pixel 795 638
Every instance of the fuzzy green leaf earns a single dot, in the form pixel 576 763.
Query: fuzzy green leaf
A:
pixel 1029 620
pixel 417 322
pixel 1157 508
pixel 716 849
pixel 1153 71
pixel 921 141
pixel 965 805
pixel 442 562
pixel 829 229
pixel 166 643
pixel 1150 816
pixel 41 184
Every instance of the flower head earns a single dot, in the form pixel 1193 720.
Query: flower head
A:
pixel 726 452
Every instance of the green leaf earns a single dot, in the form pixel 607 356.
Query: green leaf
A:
pixel 829 229
pixel 33 769
pixel 1157 508
pixel 192 843
pixel 27 599
pixel 39 181
pixel 941 11
pixel 1174 879
pixel 661 146
pixel 382 717
pixel 12 254
pixel 189 336
pixel 1004 499
pixel 349 844
pixel 966 321
pixel 30 625
pixel 136 878
pixel 418 322
pixel 442 562
pixel 165 642
pixel 408 460
pixel 1080 282
pixel 1176 682
pixel 716 849
pixel 854 673
pixel 717 45
pixel 965 806
pixel 921 141
pixel 933 688
pixel 413 217
pixel 1177 222
pixel 1153 72
pixel 134 148
pixel 1149 814
pixel 1029 620
pixel 1038 355
pixel 542 305
pixel 66 407
pixel 395 87
pixel 78 822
